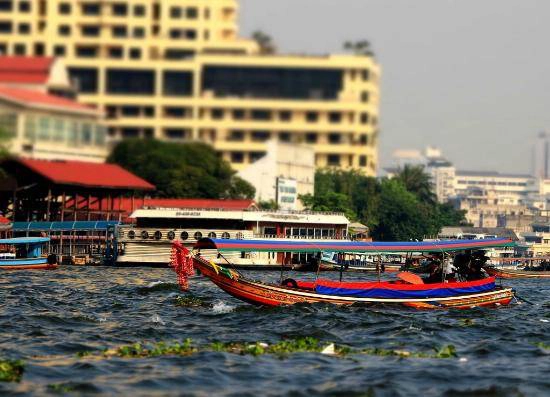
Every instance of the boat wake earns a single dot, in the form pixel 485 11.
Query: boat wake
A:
pixel 220 307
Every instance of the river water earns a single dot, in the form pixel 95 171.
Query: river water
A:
pixel 47 317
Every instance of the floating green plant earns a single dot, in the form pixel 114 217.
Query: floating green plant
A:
pixel 83 353
pixel 188 301
pixel 543 345
pixel 467 322
pixel 11 370
pixel 61 388
pixel 138 350
pixel 282 348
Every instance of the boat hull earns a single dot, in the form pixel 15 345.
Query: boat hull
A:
pixel 513 273
pixel 26 264
pixel 259 293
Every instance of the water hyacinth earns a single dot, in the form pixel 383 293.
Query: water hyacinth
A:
pixel 11 370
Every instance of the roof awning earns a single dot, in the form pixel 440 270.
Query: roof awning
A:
pixel 62 226
pixel 290 245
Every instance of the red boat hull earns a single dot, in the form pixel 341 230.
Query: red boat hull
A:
pixel 274 295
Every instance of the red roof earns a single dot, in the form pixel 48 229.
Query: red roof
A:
pixel 200 203
pixel 109 176
pixel 25 70
pixel 31 97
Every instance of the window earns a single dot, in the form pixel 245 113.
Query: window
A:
pixel 365 75
pixel 86 52
pixel 362 161
pixel 176 112
pixel 120 31
pixel 333 160
pixel 177 83
pixel 58 130
pixel 20 49
pixel 5 27
pixel 191 13
pixel 272 82
pixel 24 28
pixel 86 136
pixel 197 235
pixel 237 157
pixel 335 117
pixel 311 137
pixel 90 31
pixel 184 235
pixel 212 235
pixel 100 133
pixel 260 136
pixel 157 235
pixel 145 234
pixel 176 133
pixel 91 9
pixel 126 81
pixel 135 53
pixel 261 115
pixel 311 117
pixel 149 111
pixel 43 129
pixel 364 139
pixel 6 5
pixel 64 30
pixel 30 128
pixel 116 52
pixel 236 136
pixel 59 50
pixel 139 11
pixel 175 12
pixel 238 114
pixel 139 33
pixel 334 138
pixel 120 9
pixel 364 118
pixel 8 123
pixel 285 136
pixel 217 114
pixel 64 8
pixel 39 49
pixel 175 53
pixel 255 156
pixel 285 115
pixel 190 34
pixel 130 111
pixel 364 96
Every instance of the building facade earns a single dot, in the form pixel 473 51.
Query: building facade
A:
pixel 284 173
pixel 177 70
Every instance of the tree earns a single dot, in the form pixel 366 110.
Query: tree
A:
pixel 265 42
pixel 330 202
pixel 268 205
pixel 359 47
pixel 418 182
pixel 181 170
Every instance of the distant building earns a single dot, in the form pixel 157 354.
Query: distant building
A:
pixel 541 156
pixel 40 116
pixel 177 70
pixel 284 173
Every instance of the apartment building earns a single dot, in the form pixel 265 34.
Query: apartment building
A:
pixel 177 70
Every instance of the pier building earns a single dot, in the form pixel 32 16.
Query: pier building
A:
pixel 42 190
pixel 177 70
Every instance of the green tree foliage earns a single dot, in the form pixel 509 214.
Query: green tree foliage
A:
pixel 402 208
pixel 181 170
pixel 360 47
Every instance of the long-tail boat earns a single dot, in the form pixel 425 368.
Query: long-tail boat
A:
pixel 410 291
pixel 522 267
pixel 24 253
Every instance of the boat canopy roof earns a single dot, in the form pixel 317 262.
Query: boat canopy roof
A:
pixel 290 245
pixel 24 240
pixel 63 226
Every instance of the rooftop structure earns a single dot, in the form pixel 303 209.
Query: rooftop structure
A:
pixel 177 70
pixel 40 190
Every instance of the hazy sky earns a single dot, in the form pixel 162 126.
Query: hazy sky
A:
pixel 469 76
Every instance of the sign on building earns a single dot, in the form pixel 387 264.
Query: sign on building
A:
pixel 287 193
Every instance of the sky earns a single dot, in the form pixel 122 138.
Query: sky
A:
pixel 471 77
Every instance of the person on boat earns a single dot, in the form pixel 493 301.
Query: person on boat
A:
pixel 475 268
pixel 436 272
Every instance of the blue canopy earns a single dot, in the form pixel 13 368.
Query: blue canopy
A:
pixel 63 226
pixel 24 240
pixel 290 245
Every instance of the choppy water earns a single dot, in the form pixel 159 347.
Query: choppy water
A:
pixel 47 317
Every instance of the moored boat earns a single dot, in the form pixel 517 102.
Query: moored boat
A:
pixel 405 292
pixel 24 253
pixel 517 273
